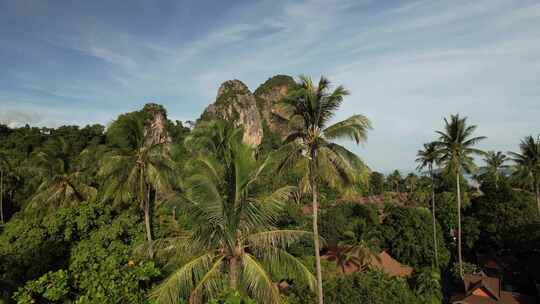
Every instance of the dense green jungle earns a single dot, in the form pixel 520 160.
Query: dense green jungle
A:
pixel 261 200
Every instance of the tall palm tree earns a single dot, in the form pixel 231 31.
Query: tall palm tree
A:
pixel 61 181
pixel 10 180
pixel 528 164
pixel 495 163
pixel 308 111
pixel 426 158
pixel 455 146
pixel 395 180
pixel 137 172
pixel 358 251
pixel 234 239
pixel 411 180
pixel 1 190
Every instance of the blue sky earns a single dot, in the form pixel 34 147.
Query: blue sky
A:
pixel 407 64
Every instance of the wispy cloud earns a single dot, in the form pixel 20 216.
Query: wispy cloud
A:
pixel 408 64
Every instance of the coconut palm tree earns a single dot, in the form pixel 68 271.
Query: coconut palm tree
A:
pixel 234 239
pixel 137 172
pixel 455 147
pixel 395 180
pixel 356 251
pixel 61 181
pixel 495 163
pixel 1 189
pixel 528 165
pixel 426 158
pixel 411 181
pixel 307 113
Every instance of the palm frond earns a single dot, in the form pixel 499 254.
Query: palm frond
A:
pixel 267 240
pixel 354 128
pixel 258 282
pixel 183 281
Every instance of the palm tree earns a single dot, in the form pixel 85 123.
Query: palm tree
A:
pixel 411 180
pixel 61 181
pixel 495 163
pixel 455 146
pixel 1 192
pixel 309 110
pixel 234 239
pixel 426 158
pixel 395 180
pixel 11 173
pixel 137 172
pixel 528 164
pixel 357 251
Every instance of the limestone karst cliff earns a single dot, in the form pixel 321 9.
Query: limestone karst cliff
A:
pixel 252 111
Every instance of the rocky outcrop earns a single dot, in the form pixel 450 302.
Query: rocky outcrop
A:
pixel 156 129
pixel 235 102
pixel 268 96
pixel 252 111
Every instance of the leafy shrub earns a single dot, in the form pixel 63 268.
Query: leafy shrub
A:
pixel 368 287
pixel 50 288
pixel 408 235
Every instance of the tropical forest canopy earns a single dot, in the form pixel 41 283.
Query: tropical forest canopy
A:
pixel 258 202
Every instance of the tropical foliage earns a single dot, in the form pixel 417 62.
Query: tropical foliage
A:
pixel 308 111
pixel 148 210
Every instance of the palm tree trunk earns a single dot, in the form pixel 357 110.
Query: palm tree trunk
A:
pixel 434 219
pixel 537 186
pixel 1 196
pixel 315 207
pixel 459 226
pixel 146 211
pixel 232 272
pixel 148 228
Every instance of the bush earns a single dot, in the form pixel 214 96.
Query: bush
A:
pixel 50 288
pixel 408 235
pixel 368 287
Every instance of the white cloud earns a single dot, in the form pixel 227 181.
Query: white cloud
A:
pixel 406 66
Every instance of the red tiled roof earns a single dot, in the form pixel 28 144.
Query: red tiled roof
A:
pixel 481 289
pixel 391 266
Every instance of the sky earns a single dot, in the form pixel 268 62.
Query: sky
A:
pixel 407 64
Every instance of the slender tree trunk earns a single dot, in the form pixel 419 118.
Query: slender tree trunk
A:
pixel 148 229
pixel 1 196
pixel 315 207
pixel 232 272
pixel 537 186
pixel 460 259
pixel 146 211
pixel 434 219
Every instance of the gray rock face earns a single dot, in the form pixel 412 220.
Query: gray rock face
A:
pixel 234 102
pixel 156 132
pixel 269 95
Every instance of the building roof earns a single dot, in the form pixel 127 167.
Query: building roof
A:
pixel 491 285
pixel 474 299
pixel 382 262
pixel 387 264
pixel 508 297
pixel 481 289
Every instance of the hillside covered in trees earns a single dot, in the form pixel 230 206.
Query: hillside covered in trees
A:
pixel 258 201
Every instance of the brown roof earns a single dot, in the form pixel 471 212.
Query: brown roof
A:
pixel 490 284
pixel 473 299
pixel 508 297
pixel 481 289
pixel 383 262
pixel 389 265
